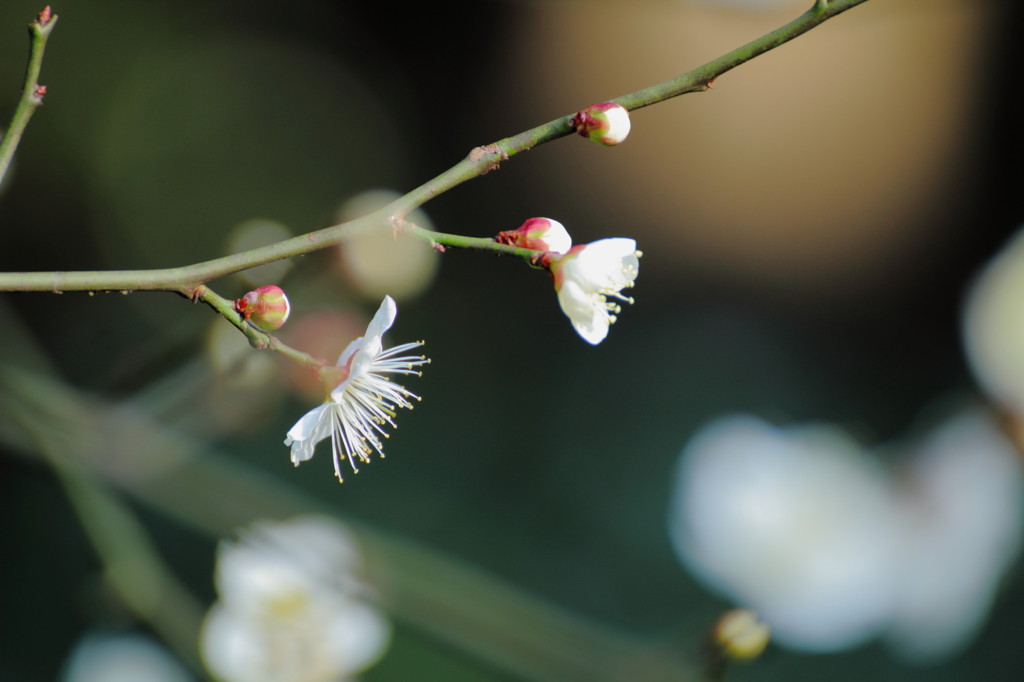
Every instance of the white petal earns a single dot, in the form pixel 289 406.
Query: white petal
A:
pixel 618 125
pixel 606 265
pixel 384 318
pixel 349 350
pixel 587 312
pixel 557 237
pixel 359 635
pixel 230 648
pixel 312 428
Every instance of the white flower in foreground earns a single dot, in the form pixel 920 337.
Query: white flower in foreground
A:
pixel 291 607
pixel 363 401
pixel 587 276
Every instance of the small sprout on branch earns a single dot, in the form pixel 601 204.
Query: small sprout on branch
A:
pixel 44 16
pixel 539 234
pixel 265 307
pixel 606 123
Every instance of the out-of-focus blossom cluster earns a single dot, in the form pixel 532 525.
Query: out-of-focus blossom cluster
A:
pixel 292 606
pixel 803 526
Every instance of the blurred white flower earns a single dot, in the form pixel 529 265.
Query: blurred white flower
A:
pixel 994 327
pixel 122 658
pixel 792 523
pixel 292 606
pixel 363 401
pixel 802 526
pixel 587 276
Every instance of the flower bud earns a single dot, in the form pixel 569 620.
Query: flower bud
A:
pixel 539 234
pixel 606 123
pixel 740 636
pixel 265 307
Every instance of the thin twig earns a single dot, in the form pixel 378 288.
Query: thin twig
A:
pixel 31 92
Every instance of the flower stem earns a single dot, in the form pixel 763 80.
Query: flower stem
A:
pixel 31 92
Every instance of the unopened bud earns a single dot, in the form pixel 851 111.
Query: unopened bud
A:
pixel 265 307
pixel 739 635
pixel 539 234
pixel 606 123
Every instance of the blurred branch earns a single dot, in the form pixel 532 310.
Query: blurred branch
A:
pixel 132 565
pixel 463 607
pixel 479 161
pixel 31 92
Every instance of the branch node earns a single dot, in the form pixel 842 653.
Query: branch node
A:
pixel 489 157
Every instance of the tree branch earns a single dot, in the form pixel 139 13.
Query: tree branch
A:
pixel 481 160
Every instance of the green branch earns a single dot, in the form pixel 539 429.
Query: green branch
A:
pixel 479 161
pixel 31 92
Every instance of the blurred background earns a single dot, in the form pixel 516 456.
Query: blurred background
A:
pixel 810 227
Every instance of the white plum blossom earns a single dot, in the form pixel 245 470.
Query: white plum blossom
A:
pixel 363 400
pixel 291 606
pixel 587 276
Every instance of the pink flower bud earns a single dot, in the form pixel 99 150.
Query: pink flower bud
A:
pixel 539 234
pixel 265 307
pixel 606 123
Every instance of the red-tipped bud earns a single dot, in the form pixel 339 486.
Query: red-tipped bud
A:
pixel 606 123
pixel 539 234
pixel 43 18
pixel 265 308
